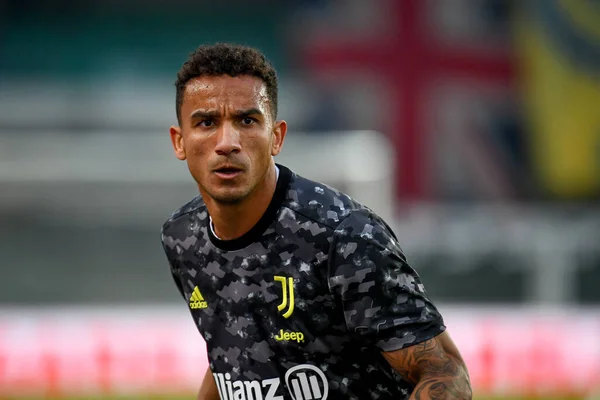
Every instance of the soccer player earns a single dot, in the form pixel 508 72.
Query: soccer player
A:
pixel 299 291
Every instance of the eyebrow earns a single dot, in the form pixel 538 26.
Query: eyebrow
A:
pixel 203 114
pixel 245 113
pixel 198 114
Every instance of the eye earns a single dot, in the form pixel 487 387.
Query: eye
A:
pixel 248 121
pixel 206 123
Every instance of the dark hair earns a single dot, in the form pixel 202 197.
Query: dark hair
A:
pixel 227 59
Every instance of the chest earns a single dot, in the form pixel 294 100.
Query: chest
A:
pixel 260 294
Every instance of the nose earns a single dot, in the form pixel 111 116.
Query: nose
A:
pixel 228 140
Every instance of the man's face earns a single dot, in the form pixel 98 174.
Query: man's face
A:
pixel 227 135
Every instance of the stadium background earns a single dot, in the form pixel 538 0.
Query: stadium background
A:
pixel 472 126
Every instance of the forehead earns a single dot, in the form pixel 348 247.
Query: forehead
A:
pixel 225 91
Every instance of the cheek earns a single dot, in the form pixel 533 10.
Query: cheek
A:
pixel 260 151
pixel 260 145
pixel 196 142
pixel 197 152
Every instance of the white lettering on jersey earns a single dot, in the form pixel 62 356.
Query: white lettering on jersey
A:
pixel 253 391
pixel 304 382
pixel 273 385
pixel 228 385
pixel 247 390
pixel 238 390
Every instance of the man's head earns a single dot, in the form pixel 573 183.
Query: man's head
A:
pixel 227 59
pixel 226 109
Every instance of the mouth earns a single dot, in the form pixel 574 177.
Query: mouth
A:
pixel 227 172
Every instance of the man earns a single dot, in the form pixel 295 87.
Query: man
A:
pixel 299 291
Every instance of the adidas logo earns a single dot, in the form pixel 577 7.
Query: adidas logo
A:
pixel 196 300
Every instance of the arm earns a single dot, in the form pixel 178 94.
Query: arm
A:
pixel 435 367
pixel 385 304
pixel 208 390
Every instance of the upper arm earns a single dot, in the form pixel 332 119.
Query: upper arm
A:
pixel 383 299
pixel 386 305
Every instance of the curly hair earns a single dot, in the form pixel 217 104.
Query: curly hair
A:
pixel 227 59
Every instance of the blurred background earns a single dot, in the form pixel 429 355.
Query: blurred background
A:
pixel 473 127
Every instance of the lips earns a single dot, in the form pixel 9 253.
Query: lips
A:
pixel 227 171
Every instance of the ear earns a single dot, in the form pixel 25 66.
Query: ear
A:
pixel 177 141
pixel 279 131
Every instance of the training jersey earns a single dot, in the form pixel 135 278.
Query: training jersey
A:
pixel 302 305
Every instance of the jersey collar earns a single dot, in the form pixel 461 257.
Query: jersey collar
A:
pixel 268 217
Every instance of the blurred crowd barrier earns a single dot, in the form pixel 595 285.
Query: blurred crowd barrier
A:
pixel 155 349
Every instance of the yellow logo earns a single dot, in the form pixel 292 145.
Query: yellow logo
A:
pixel 287 336
pixel 288 295
pixel 197 301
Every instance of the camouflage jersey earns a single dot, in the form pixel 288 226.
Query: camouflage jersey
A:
pixel 302 305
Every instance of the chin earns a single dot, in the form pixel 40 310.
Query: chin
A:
pixel 228 196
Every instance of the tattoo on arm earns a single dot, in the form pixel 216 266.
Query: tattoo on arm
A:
pixel 436 369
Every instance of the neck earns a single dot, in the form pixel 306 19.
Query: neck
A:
pixel 231 221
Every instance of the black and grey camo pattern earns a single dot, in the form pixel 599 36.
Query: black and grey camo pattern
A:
pixel 355 294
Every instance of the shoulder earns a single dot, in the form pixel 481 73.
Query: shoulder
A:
pixel 178 223
pixel 365 240
pixel 366 225
pixel 320 203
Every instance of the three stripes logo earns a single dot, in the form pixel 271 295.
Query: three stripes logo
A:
pixel 287 287
pixel 306 382
pixel 196 300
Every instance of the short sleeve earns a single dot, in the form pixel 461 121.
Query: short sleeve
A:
pixel 382 296
pixel 170 252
